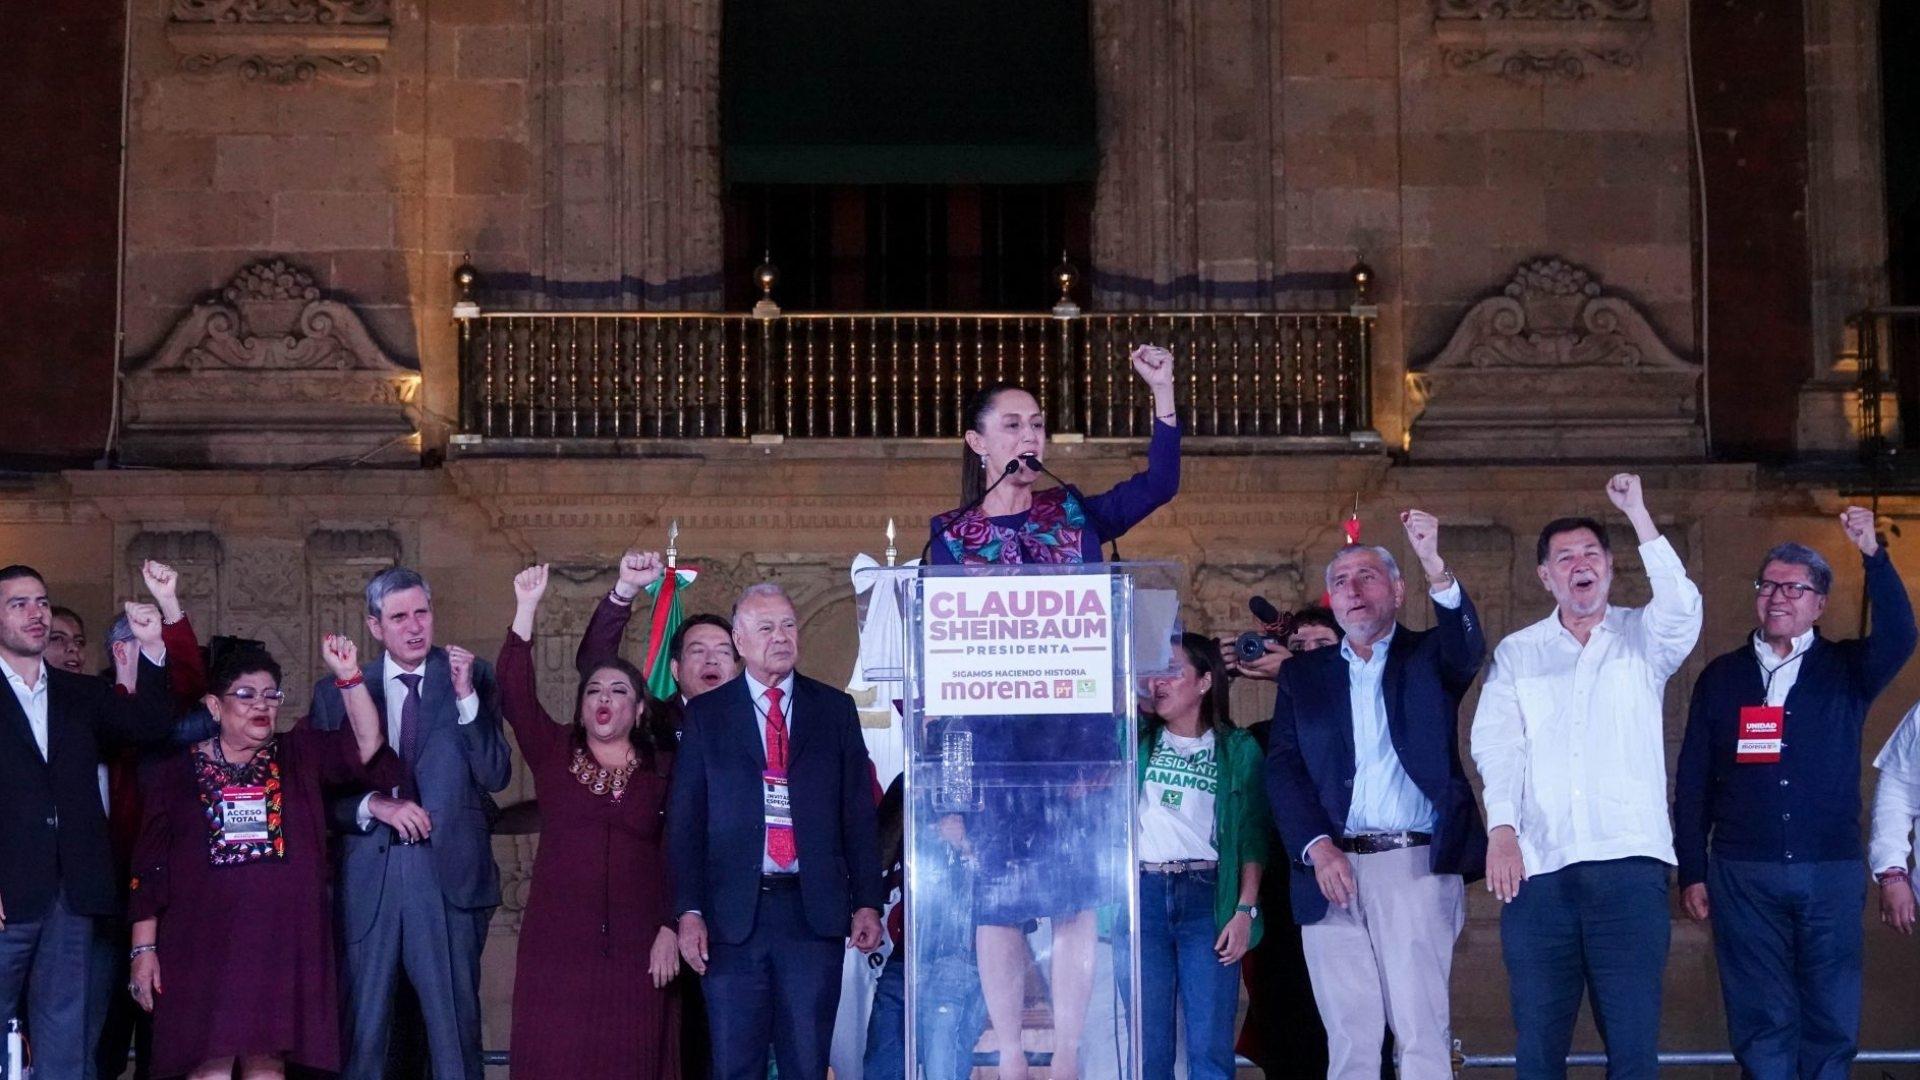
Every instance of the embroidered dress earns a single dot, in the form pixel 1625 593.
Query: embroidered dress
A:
pixel 218 778
pixel 246 938
pixel 1051 533
pixel 1039 841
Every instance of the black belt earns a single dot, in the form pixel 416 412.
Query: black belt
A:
pixel 770 882
pixel 1377 842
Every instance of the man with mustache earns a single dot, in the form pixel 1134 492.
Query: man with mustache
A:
pixel 57 872
pixel 1570 741
pixel 1767 808
pixel 775 851
pixel 700 654
pixel 418 883
pixel 1364 776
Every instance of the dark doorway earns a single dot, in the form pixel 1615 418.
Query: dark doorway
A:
pixel 905 247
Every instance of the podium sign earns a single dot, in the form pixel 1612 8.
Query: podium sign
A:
pixel 1037 644
pixel 1019 713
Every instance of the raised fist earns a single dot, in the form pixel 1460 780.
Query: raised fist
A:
pixel 1858 522
pixel 638 569
pixel 530 585
pixel 461 661
pixel 342 656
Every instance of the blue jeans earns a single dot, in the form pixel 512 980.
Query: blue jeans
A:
pixel 1177 933
pixel 952 1015
pixel 1595 928
pixel 1788 939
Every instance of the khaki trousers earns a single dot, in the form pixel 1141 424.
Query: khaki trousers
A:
pixel 1385 961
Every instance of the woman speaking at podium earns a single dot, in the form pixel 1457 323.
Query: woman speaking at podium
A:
pixel 1035 842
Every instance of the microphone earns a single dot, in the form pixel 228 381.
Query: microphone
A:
pixel 1267 616
pixel 1034 464
pixel 1013 466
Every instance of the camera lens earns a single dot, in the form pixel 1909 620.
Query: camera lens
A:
pixel 1250 646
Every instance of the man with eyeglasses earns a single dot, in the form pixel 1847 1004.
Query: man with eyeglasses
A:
pixel 1767 808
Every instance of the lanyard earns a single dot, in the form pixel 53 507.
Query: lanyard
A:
pixel 1776 669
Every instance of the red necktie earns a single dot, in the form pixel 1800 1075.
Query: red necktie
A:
pixel 779 837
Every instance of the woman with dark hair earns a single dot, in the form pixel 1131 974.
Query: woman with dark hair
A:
pixel 1008 521
pixel 230 879
pixel 1040 845
pixel 1204 828
pixel 597 945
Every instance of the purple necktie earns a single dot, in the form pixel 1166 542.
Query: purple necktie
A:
pixel 410 736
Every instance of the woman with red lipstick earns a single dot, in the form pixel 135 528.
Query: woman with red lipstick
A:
pixel 233 944
pixel 597 946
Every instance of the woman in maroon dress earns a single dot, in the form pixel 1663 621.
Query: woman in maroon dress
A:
pixel 597 946
pixel 230 878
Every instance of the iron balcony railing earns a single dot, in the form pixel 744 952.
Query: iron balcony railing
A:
pixel 627 375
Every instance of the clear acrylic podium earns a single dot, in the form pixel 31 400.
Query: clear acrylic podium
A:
pixel 1019 705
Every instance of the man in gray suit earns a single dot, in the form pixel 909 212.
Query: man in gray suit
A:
pixel 417 882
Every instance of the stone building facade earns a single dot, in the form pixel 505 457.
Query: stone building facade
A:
pixel 1577 257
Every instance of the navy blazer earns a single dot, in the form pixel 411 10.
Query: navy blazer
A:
pixel 716 818
pixel 1310 756
pixel 53 830
pixel 459 764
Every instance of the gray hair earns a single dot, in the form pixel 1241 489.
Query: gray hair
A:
pixel 1386 557
pixel 389 581
pixel 121 630
pixel 759 589
pixel 1819 573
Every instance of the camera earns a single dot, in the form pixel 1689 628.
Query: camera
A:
pixel 1251 646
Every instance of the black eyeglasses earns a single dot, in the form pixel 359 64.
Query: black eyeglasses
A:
pixel 271 699
pixel 1792 590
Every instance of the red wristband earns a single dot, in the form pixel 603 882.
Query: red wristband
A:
pixel 348 684
pixel 1895 874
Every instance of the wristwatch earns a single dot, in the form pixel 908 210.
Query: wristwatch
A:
pixel 1252 911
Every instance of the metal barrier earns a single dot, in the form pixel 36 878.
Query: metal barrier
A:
pixel 598 376
pixel 1670 1059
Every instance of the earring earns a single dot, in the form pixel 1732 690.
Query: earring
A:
pixel 983 461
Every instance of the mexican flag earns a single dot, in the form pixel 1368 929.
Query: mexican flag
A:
pixel 667 617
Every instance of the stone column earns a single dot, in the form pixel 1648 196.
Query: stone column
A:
pixel 1846 212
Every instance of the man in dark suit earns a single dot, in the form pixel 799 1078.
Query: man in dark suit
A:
pixel 56 863
pixel 776 860
pixel 418 883
pixel 1365 780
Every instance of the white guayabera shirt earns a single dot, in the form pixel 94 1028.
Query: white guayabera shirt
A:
pixel 1896 799
pixel 1570 739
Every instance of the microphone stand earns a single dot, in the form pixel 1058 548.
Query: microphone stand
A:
pixel 1013 466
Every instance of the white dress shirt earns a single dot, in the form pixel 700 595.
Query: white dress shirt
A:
pixel 1896 798
pixel 396 692
pixel 1571 740
pixel 757 693
pixel 33 702
pixel 1385 799
pixel 1781 672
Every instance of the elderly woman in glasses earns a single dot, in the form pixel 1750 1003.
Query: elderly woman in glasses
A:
pixel 233 945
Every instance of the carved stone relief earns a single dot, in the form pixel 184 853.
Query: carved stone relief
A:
pixel 1528 40
pixel 270 371
pixel 281 42
pixel 1553 367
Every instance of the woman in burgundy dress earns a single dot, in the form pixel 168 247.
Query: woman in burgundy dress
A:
pixel 597 946
pixel 233 935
